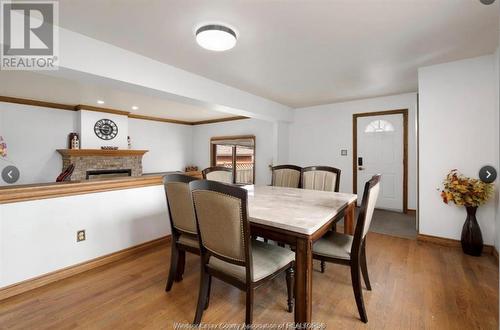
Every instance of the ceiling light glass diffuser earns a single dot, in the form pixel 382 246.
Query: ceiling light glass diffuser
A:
pixel 216 37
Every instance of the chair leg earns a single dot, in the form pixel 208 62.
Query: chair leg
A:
pixel 323 266
pixel 181 262
pixel 174 256
pixel 249 305
pixel 202 297
pixel 358 293
pixel 364 268
pixel 290 284
pixel 209 289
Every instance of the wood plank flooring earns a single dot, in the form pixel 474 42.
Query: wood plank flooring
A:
pixel 415 286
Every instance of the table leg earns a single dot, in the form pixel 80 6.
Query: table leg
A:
pixel 349 219
pixel 303 280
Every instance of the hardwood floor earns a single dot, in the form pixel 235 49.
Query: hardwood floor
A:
pixel 415 285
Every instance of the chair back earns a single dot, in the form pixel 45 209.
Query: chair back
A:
pixel 370 195
pixel 323 178
pixel 180 203
pixel 218 173
pixel 223 227
pixel 286 176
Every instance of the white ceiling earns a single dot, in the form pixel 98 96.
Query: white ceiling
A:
pixel 298 53
pixel 43 87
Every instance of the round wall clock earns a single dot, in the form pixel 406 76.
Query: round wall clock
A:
pixel 105 129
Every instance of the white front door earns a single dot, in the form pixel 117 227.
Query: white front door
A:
pixel 380 151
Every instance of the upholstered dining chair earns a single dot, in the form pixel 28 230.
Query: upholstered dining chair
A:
pixel 351 250
pixel 324 178
pixel 227 250
pixel 286 176
pixel 182 223
pixel 218 173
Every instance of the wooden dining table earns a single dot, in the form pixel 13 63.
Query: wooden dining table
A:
pixel 298 217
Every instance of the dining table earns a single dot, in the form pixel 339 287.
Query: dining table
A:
pixel 299 217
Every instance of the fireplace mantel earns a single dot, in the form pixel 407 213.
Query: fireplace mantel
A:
pixel 101 152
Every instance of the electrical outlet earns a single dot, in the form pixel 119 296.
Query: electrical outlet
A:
pixel 80 235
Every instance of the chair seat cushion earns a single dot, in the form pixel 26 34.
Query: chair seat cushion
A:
pixel 267 259
pixel 334 245
pixel 189 241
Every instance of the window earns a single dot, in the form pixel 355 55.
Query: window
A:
pixel 379 126
pixel 236 152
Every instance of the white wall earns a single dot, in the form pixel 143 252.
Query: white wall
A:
pixel 88 138
pixel 318 133
pixel 282 142
pixel 32 136
pixel 169 145
pixel 458 128
pixel 39 237
pixel 264 143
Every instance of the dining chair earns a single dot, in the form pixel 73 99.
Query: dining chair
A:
pixel 218 173
pixel 286 176
pixel 227 250
pixel 351 250
pixel 323 178
pixel 182 223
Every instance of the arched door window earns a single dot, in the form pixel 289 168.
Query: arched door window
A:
pixel 379 126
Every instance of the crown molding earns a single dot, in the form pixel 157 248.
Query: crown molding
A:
pixel 79 107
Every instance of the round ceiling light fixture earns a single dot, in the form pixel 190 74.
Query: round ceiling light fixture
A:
pixel 216 37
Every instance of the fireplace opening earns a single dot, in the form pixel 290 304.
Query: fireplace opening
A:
pixel 104 174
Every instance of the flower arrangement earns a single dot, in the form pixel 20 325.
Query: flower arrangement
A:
pixel 465 191
pixel 3 147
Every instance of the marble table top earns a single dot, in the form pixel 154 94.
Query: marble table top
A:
pixel 298 210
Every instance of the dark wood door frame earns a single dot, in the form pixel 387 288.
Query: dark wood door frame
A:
pixel 355 117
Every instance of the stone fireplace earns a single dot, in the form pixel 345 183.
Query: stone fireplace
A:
pixel 97 163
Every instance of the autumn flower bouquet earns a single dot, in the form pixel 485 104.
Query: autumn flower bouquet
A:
pixel 3 147
pixel 470 193
pixel 465 191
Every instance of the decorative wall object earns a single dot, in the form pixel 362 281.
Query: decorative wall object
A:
pixel 3 147
pixel 106 129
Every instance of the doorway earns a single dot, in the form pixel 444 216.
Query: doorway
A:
pixel 380 145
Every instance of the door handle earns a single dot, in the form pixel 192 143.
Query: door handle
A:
pixel 361 168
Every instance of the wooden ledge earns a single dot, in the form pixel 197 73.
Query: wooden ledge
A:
pixel 101 152
pixel 24 193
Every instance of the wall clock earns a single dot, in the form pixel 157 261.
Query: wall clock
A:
pixel 105 129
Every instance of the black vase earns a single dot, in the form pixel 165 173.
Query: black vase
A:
pixel 472 239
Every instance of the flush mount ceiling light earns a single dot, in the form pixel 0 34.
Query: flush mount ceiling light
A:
pixel 216 37
pixel 134 107
pixel 100 102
